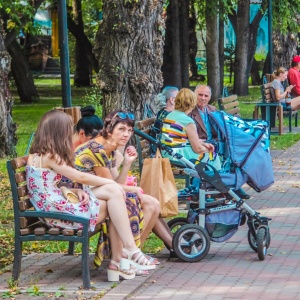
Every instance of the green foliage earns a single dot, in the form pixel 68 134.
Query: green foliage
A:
pixel 18 15
pixel 284 15
pixel 34 291
pixel 94 97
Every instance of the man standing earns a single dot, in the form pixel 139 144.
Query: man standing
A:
pixel 294 76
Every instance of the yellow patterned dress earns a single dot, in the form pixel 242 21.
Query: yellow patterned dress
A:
pixel 88 156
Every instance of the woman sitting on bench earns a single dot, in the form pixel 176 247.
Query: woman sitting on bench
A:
pixel 51 157
pixel 98 156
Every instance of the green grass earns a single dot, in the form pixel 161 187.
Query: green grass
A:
pixel 27 117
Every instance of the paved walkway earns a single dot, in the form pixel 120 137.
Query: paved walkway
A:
pixel 231 270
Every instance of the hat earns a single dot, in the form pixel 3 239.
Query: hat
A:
pixel 296 59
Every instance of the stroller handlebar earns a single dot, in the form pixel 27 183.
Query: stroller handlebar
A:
pixel 164 147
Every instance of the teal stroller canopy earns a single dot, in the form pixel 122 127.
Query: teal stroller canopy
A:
pixel 246 145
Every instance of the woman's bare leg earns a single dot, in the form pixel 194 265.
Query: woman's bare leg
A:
pixel 116 245
pixel 295 104
pixel 151 210
pixel 162 231
pixel 113 199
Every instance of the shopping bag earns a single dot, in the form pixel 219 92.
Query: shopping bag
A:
pixel 157 180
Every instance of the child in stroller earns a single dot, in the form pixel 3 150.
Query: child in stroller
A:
pixel 219 210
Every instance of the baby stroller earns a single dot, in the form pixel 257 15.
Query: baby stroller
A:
pixel 217 211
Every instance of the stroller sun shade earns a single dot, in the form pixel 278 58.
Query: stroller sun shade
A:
pixel 247 144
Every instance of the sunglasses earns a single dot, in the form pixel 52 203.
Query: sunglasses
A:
pixel 123 116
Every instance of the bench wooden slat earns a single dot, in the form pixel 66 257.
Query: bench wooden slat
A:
pixel 22 191
pixel 145 123
pixel 230 105
pixel 54 231
pixel 234 111
pixel 25 205
pixel 229 99
pixel 29 221
pixel 20 177
pixel 40 231
pixel 19 162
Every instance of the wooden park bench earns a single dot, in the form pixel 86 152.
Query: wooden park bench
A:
pixel 230 105
pixel 272 110
pixel 29 227
pixel 144 150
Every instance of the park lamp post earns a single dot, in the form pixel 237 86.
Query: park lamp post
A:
pixel 270 31
pixel 64 53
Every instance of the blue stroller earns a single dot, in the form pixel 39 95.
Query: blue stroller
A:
pixel 217 211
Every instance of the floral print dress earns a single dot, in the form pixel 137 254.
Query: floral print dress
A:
pixel 45 195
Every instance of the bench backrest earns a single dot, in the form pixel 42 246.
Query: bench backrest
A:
pixel 21 202
pixel 230 105
pixel 267 92
pixel 27 225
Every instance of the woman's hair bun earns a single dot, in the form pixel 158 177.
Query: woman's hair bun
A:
pixel 87 111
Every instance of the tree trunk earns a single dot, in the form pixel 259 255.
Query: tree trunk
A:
pixel 285 47
pixel 84 41
pixel 167 66
pixel 22 74
pixel 129 47
pixel 241 70
pixel 212 55
pixel 255 77
pixel 176 44
pixel 184 41
pixel 193 42
pixel 221 47
pixel 82 74
pixel 8 138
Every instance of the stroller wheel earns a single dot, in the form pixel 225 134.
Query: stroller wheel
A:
pixel 175 224
pixel 263 242
pixel 252 241
pixel 191 243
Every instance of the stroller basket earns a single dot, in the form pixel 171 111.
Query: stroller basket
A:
pixel 222 225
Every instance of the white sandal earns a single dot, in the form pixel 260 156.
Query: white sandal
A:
pixel 137 259
pixel 153 260
pixel 114 275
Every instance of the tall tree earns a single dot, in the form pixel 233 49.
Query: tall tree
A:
pixel 212 43
pixel 18 15
pixel 129 47
pixel 7 127
pixel 179 50
pixel 82 67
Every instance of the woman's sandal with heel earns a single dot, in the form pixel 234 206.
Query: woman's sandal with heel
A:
pixel 125 273
pixel 137 259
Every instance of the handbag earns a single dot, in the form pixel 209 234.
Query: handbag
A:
pixel 69 195
pixel 157 180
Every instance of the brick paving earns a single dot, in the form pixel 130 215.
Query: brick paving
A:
pixel 231 270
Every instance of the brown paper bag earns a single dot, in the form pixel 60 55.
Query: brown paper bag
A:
pixel 158 181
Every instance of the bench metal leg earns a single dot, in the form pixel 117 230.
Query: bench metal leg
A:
pixel 71 248
pixel 296 119
pixel 290 120
pixel 17 260
pixel 85 266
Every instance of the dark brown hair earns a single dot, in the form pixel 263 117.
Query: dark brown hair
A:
pixel 54 137
pixel 111 121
